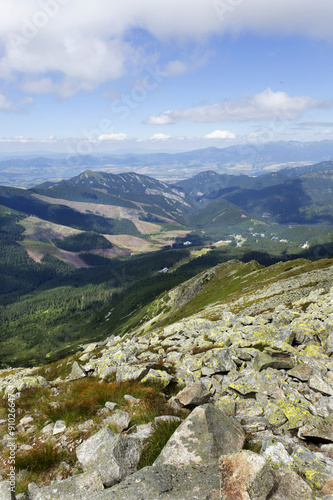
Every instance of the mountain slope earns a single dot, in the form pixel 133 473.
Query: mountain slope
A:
pixel 127 189
pixel 307 198
pixel 209 185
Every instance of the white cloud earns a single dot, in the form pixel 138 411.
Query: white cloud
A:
pixel 266 105
pixel 8 106
pixel 84 44
pixel 327 132
pixel 5 105
pixel 221 134
pixel 113 137
pixel 175 68
pixel 160 137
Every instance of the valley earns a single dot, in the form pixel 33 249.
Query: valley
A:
pixel 73 250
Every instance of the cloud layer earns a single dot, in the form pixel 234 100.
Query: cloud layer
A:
pixel 64 46
pixel 266 105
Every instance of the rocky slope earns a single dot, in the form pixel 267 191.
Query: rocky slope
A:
pixel 247 380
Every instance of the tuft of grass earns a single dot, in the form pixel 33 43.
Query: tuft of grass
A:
pixel 163 432
pixel 85 397
pixel 252 444
pixel 42 458
pixel 36 397
pixel 152 406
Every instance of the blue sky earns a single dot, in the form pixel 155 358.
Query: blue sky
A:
pixel 168 75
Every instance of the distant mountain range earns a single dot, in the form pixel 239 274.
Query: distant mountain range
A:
pixel 209 201
pixel 252 159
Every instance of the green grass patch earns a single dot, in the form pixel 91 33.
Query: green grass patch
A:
pixel 42 458
pixel 158 440
pixel 83 398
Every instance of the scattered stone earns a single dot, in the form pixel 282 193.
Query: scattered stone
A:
pixel 317 384
pixel 26 421
pixel 76 373
pixel 167 418
pixel 121 420
pixel 59 427
pixel 85 426
pixel 5 490
pixel 143 432
pixel 262 361
pixel 166 482
pixel 219 360
pixel 195 395
pixel 327 489
pixel 277 456
pixel 90 347
pixel 26 447
pixel 323 431
pixel 301 372
pixel 131 400
pixel 48 429
pixel 125 372
pixel 25 382
pixel 21 496
pixel 245 475
pixel 159 377
pixel 110 406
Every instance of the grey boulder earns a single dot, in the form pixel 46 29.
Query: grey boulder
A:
pixel 113 456
pixel 81 486
pixel 245 476
pixel 195 395
pixel 205 435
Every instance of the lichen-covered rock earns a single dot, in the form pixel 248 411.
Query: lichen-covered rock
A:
pixel 76 373
pixel 26 382
pixel 166 482
pixel 263 360
pixel 195 395
pixel 322 431
pixel 306 464
pixel 77 487
pixel 277 456
pixel 318 384
pixel 219 360
pixel 301 372
pixel 159 377
pixel 204 435
pixel 120 419
pixel 289 486
pixel 113 456
pixel 5 490
pixel 245 476
pixel 125 372
pixel 226 404
pixel 274 415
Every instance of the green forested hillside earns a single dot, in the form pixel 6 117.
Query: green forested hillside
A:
pixel 25 202
pixel 82 241
pixel 19 273
pixel 48 307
